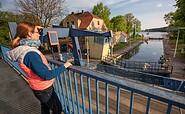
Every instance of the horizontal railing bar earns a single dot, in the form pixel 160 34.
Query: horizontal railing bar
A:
pixel 155 93
pixel 151 92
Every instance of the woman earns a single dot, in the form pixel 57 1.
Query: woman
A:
pixel 34 64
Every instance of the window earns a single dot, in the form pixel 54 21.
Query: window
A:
pixel 73 23
pixel 99 39
pixel 106 40
pixel 98 22
pixel 68 24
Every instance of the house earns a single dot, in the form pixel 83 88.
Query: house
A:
pixel 84 21
pixel 123 37
pixel 97 46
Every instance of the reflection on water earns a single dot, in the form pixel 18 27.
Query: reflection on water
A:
pixel 149 52
pixel 153 34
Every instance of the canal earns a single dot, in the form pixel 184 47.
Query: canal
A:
pixel 149 51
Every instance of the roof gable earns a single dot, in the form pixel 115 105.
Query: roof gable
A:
pixel 124 34
pixel 85 17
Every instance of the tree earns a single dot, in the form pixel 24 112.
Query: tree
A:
pixel 44 10
pixel 119 23
pixel 177 18
pixel 129 17
pixel 169 18
pixel 137 24
pixel 4 19
pixel 103 12
pixel 179 15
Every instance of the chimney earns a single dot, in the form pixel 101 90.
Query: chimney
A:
pixel 82 11
pixel 72 13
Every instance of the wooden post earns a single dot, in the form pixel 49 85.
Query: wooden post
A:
pixel 176 43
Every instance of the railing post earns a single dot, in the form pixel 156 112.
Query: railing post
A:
pixel 148 105
pixel 107 98
pixel 131 101
pixel 82 92
pixel 89 94
pixel 118 100
pixel 97 97
pixel 71 91
pixel 76 89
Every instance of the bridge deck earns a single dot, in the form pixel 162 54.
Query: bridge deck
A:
pixel 15 95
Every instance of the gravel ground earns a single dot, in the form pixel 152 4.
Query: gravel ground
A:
pixel 178 62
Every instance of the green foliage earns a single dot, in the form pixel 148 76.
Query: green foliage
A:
pixel 177 19
pixel 11 17
pixel 120 46
pixel 129 20
pixel 103 12
pixel 179 15
pixel 137 24
pixel 119 23
pixel 4 19
pixel 123 45
pixel 169 18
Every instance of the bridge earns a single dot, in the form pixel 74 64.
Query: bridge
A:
pixel 87 91
pixel 82 90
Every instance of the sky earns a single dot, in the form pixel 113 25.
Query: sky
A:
pixel 149 12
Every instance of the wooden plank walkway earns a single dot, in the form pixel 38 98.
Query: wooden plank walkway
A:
pixel 15 95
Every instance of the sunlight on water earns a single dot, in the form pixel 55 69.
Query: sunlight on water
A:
pixel 149 51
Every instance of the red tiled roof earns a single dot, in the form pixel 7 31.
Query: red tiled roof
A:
pixel 85 17
pixel 124 34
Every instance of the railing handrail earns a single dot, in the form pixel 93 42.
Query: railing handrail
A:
pixel 155 93
pixel 171 99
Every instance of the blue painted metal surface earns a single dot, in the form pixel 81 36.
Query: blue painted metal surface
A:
pixel 148 105
pixel 63 87
pixel 65 32
pixel 4 49
pixel 12 27
pixel 165 82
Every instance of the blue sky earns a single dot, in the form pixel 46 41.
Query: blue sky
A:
pixel 149 12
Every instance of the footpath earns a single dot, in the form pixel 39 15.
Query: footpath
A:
pixel 16 97
pixel 178 62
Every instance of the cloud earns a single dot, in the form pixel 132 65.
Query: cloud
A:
pixel 170 5
pixel 159 5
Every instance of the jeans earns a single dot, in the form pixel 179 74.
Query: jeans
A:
pixel 49 100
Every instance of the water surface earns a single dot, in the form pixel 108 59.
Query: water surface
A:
pixel 149 51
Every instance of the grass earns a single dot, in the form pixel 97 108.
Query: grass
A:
pixel 123 45
pixel 180 45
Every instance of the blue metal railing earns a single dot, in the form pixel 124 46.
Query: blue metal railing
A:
pixel 86 91
pixel 165 82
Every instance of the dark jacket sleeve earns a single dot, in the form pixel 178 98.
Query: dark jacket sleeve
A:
pixel 33 61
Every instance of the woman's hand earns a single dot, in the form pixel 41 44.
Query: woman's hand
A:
pixel 67 64
pixel 39 28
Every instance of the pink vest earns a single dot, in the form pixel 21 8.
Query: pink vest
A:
pixel 35 82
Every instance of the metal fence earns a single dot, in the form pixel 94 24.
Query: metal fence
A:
pixel 155 80
pixel 86 91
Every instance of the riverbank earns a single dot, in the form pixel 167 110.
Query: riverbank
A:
pixel 177 62
pixel 123 51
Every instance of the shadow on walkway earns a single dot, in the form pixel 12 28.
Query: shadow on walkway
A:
pixel 15 95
